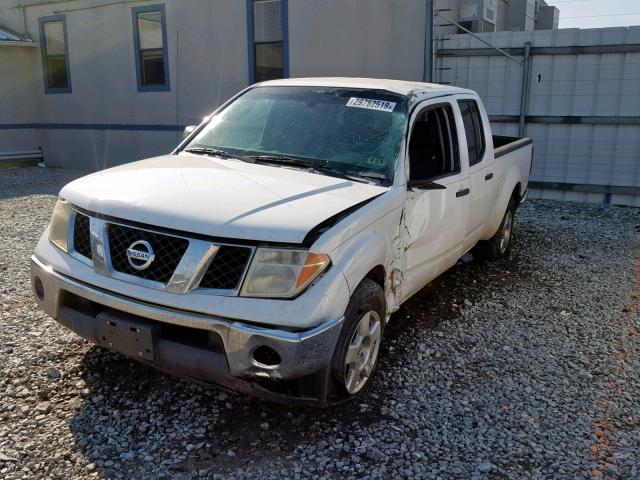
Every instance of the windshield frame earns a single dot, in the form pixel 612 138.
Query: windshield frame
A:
pixel 187 141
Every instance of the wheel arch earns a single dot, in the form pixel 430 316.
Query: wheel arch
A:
pixel 512 187
pixel 378 274
pixel 517 193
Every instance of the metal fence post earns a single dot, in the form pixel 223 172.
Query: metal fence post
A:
pixel 526 87
pixel 429 50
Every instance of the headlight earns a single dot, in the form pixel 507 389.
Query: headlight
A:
pixel 59 226
pixel 282 273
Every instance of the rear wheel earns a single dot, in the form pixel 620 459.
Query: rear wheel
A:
pixel 356 354
pixel 498 245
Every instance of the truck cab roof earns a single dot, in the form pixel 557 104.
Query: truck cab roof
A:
pixel 420 90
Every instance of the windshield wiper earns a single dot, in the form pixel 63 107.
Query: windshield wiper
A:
pixel 282 160
pixel 376 176
pixel 216 152
pixel 311 166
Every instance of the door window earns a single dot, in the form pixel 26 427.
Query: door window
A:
pixel 473 129
pixel 433 147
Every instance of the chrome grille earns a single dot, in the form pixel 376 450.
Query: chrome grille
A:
pixel 180 262
pixel 82 236
pixel 226 268
pixel 168 251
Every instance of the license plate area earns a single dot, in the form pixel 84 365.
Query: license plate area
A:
pixel 128 335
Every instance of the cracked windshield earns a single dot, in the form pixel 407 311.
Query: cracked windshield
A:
pixel 346 131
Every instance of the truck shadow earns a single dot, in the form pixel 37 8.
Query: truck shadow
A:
pixel 133 417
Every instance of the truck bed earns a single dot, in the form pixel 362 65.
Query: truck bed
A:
pixel 503 144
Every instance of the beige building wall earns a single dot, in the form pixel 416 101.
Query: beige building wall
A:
pixel 18 98
pixel 208 63
pixel 340 37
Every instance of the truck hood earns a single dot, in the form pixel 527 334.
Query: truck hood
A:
pixel 220 198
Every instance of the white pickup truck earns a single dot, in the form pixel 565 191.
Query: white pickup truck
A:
pixel 267 252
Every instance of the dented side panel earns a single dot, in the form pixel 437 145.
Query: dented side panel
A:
pixel 417 235
pixel 433 229
pixel 367 239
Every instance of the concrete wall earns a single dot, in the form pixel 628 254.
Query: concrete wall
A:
pixel 11 15
pixel 208 63
pixel 548 18
pixel 511 15
pixel 520 15
pixel 449 8
pixel 584 106
pixel 502 13
pixel 376 38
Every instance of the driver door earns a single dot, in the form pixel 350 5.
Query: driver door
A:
pixel 437 202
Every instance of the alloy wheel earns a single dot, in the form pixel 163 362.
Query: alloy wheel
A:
pixel 362 352
pixel 507 228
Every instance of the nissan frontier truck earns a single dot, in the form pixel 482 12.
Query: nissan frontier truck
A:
pixel 268 251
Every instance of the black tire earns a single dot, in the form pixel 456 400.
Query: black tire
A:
pixel 367 298
pixel 497 247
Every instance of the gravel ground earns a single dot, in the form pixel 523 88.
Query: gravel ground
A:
pixel 524 368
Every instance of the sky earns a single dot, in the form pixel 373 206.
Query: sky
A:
pixel 597 13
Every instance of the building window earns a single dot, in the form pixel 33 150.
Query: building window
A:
pixel 268 40
pixel 55 54
pixel 150 42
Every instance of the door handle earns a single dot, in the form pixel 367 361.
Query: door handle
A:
pixel 488 176
pixel 463 192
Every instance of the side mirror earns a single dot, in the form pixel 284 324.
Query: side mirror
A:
pixel 425 185
pixel 188 131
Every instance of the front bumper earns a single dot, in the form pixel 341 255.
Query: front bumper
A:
pixel 302 354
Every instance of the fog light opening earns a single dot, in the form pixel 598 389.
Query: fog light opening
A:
pixel 38 288
pixel 266 357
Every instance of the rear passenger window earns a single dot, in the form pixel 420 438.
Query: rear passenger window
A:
pixel 433 147
pixel 473 129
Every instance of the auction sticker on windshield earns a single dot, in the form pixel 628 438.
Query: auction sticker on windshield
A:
pixel 381 105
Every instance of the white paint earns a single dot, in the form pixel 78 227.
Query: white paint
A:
pixel 221 198
pixel 402 87
pixel 413 235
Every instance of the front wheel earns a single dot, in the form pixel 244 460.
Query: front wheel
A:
pixel 356 355
pixel 498 245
